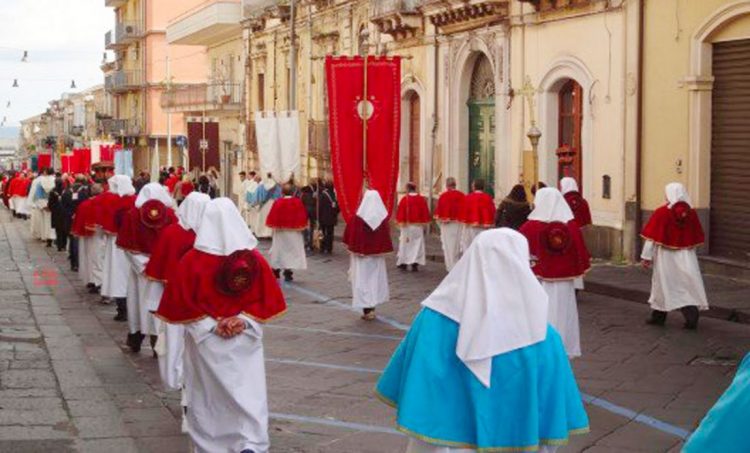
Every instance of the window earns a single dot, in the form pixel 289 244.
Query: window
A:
pixel 261 92
pixel 570 120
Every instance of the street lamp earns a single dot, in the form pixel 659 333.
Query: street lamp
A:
pixel 534 134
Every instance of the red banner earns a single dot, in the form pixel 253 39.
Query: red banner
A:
pixel 45 161
pixel 346 86
pixel 66 163
pixel 81 160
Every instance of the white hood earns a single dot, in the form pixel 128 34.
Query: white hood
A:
pixel 123 185
pixel 153 191
pixel 568 184
pixel 222 230
pixel 190 212
pixel 676 193
pixel 550 206
pixel 371 209
pixel 495 298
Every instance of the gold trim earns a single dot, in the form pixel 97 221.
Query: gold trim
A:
pixel 671 247
pixel 588 269
pixel 272 318
pixel 187 321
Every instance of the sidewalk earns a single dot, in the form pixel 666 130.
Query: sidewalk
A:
pixel 729 298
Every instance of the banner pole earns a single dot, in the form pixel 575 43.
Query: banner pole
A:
pixel 365 113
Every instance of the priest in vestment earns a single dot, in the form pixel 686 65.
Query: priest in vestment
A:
pixel 41 203
pixel 672 234
pixel 111 209
pixel 268 192
pixel 173 242
pixel 481 369
pixel 223 292
pixel 247 189
pixel 140 228
pixel 559 256
pixel 288 220
pixel 578 204
pixel 253 203
pixel 412 215
pixel 447 214
pixel 477 214
pixel 368 238
pixel 30 208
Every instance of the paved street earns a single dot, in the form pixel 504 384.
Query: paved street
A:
pixel 68 384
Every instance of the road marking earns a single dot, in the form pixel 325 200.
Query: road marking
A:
pixel 341 333
pixel 355 369
pixel 334 422
pixel 594 401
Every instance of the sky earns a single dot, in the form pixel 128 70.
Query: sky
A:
pixel 65 41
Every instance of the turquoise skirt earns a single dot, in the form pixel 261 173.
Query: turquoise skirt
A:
pixel 533 399
pixel 725 427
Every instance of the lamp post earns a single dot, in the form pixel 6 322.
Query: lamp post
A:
pixel 534 134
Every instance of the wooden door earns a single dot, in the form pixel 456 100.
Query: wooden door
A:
pixel 569 149
pixel 414 138
pixel 482 143
pixel 195 135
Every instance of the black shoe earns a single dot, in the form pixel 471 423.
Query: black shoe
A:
pixel 277 273
pixel 122 310
pixel 691 315
pixel 658 318
pixel 90 285
pixel 403 267
pixel 288 276
pixel 415 267
pixel 49 242
pixel 152 340
pixel 134 342
pixel 94 290
pixel 74 268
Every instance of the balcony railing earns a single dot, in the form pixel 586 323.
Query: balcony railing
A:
pixel 120 127
pixel 108 41
pixel 384 7
pixel 398 18
pixel 123 80
pixel 128 31
pixel 252 8
pixel 214 95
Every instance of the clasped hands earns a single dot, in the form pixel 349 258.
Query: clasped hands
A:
pixel 229 327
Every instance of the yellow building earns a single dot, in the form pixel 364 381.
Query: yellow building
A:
pixel 696 116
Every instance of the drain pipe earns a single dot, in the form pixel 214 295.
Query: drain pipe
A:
pixel 435 123
pixel 639 132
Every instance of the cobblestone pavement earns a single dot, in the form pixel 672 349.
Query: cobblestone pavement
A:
pixel 67 382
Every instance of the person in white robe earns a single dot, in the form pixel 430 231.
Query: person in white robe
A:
pixel 41 199
pixel 116 268
pixel 287 252
pixel 29 208
pixel 141 321
pixel 676 283
pixel 252 203
pixel 18 203
pixel 271 192
pixel 368 273
pixel 412 217
pixel 246 182
pixel 447 214
pixel 91 252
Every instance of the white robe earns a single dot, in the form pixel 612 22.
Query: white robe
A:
pixel 411 245
pixel 84 265
pixel 44 215
pixel 226 386
pixel 468 233
pixel 677 281
pixel 140 318
pixel 170 348
pixel 563 313
pixel 450 236
pixel 288 250
pixel 116 269
pixel 18 204
pixel 420 446
pixel 262 231
pixel 369 278
pixel 95 247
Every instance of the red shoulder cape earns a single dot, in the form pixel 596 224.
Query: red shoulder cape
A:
pixel 363 240
pixel 287 213
pixel 570 259
pixel 83 219
pixel 478 209
pixel 580 208
pixel 134 236
pixel 173 242
pixel 413 209
pixel 676 228
pixel 449 206
pixel 109 207
pixel 191 293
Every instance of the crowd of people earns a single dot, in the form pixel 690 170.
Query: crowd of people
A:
pixel 180 264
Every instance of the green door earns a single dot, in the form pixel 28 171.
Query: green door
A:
pixel 482 143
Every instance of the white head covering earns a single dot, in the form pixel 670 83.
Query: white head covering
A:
pixel 123 185
pixel 191 210
pixel 495 298
pixel 371 209
pixel 153 191
pixel 223 231
pixel 568 184
pixel 550 206
pixel 112 184
pixel 676 193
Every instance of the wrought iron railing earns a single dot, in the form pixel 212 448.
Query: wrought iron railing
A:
pixel 214 93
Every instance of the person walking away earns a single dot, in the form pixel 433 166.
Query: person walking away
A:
pixel 447 214
pixel 328 215
pixel 413 215
pixel 578 204
pixel 41 202
pixel 471 353
pixel 477 214
pixel 559 256
pixel 223 291
pixel 288 220
pixel 89 239
pixel 58 219
pixel 514 210
pixel 672 234
pixel 309 197
pixel 368 238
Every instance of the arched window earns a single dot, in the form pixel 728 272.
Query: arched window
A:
pixel 570 120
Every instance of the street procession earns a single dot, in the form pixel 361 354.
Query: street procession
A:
pixel 420 226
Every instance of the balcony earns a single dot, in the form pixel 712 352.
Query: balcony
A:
pixel 76 131
pixel 214 96
pixel 115 3
pixel 399 18
pixel 108 40
pixel 209 24
pixel 454 16
pixel 127 32
pixel 120 127
pixel 120 81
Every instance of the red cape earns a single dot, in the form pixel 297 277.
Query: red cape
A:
pixel 580 208
pixel 287 213
pixel 363 240
pixel 676 228
pixel 449 206
pixel 110 208
pixel 84 220
pixel 413 209
pixel 186 188
pixel 173 242
pixel 171 182
pixel 192 294
pixel 134 236
pixel 568 260
pixel 478 210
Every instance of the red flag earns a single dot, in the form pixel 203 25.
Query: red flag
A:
pixel 66 163
pixel 45 161
pixel 346 82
